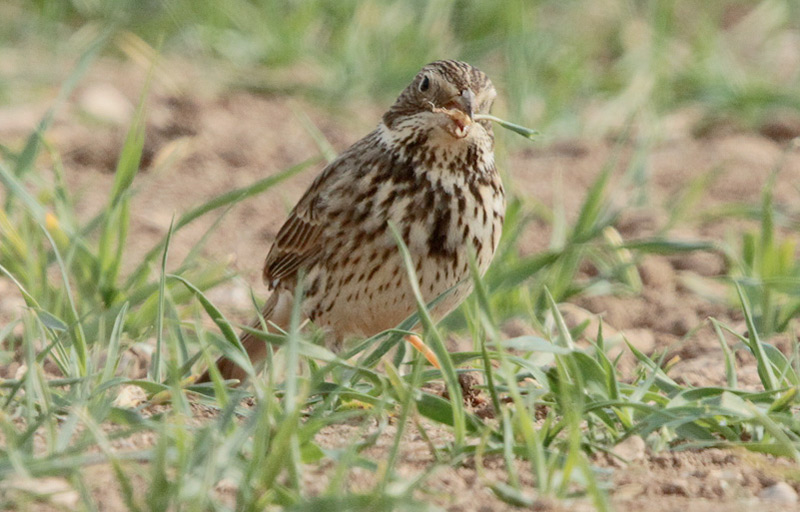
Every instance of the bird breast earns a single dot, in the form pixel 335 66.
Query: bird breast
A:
pixel 442 208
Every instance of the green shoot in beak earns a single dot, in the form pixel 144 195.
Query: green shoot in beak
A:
pixel 525 132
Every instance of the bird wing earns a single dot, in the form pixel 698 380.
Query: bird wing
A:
pixel 297 242
pixel 299 239
pixel 305 234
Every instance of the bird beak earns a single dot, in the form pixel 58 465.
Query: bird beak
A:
pixel 467 101
pixel 459 112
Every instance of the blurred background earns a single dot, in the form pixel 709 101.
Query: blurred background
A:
pixel 565 67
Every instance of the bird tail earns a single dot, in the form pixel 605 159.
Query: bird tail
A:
pixel 254 346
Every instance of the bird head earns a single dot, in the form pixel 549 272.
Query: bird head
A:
pixel 445 95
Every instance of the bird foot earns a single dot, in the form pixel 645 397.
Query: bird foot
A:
pixel 418 344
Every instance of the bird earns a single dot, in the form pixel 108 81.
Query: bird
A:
pixel 428 168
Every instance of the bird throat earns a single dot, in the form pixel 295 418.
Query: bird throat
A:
pixel 433 149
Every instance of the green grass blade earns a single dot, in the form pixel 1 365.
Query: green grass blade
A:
pixel 564 337
pixel 238 356
pixel 484 308
pixel 113 345
pixel 667 246
pixel 436 342
pixel 316 134
pixel 406 400
pixel 516 128
pixel 16 189
pixel 730 360
pixel 592 216
pixel 30 301
pixel 78 336
pixel 131 154
pixel 156 372
pixel 114 224
pixel 763 363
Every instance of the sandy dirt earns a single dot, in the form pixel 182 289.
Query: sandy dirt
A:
pixel 215 141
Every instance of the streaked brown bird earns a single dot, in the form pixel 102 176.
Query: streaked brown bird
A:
pixel 429 169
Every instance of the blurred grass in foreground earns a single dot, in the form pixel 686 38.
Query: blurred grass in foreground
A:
pixel 563 67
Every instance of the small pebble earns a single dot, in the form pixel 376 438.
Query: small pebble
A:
pixel 677 487
pixel 642 339
pixel 780 493
pixel 105 102
pixel 631 449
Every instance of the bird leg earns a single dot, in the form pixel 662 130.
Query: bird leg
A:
pixel 417 343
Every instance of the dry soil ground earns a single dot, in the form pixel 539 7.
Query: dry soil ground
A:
pixel 216 141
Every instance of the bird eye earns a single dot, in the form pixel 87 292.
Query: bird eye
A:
pixel 425 84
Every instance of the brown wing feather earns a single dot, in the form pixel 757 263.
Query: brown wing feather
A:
pixel 300 239
pixel 296 243
pixel 304 235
